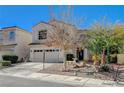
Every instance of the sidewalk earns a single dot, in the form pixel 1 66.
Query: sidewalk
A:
pixel 72 80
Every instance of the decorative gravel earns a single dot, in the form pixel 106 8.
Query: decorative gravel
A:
pixel 57 68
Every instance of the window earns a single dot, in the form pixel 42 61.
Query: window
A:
pixel 57 50
pixel 42 34
pixel 11 35
pixel 50 50
pixel 37 51
pixel 41 50
pixel 1 36
pixel 47 50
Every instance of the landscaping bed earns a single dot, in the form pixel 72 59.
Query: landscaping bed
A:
pixel 57 69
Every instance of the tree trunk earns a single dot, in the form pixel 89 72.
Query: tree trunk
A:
pixel 103 57
pixel 108 54
pixel 64 60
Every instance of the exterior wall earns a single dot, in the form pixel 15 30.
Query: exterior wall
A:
pixel 23 39
pixel 63 26
pixel 6 46
pixel 6 53
pixel 86 54
pixel 39 27
pixel 5 32
pixel 120 59
pixel 1 37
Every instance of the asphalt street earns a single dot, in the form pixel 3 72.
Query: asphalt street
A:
pixel 11 81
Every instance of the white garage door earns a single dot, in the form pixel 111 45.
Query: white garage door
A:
pixel 38 55
pixel 50 55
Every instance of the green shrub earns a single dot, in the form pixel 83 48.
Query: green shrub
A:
pixel 5 63
pixel 11 58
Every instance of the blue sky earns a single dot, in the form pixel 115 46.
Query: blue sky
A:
pixel 27 16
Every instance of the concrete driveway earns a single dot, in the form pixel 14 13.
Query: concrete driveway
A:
pixel 25 68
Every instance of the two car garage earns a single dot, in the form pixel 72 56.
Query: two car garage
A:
pixel 47 54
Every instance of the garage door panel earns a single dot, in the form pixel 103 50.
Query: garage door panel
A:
pixel 38 55
pixel 52 56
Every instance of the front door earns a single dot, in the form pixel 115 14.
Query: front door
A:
pixel 80 54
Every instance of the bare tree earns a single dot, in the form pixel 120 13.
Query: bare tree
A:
pixel 65 33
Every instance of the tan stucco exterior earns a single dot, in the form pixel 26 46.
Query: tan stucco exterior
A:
pixel 120 59
pixel 18 46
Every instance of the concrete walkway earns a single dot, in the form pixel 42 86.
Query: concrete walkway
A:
pixel 29 70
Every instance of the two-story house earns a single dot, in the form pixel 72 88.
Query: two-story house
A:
pixel 14 41
pixel 41 48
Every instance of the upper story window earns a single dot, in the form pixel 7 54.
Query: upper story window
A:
pixel 42 34
pixel 11 35
pixel 1 36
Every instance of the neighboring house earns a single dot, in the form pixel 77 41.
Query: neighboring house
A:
pixel 41 46
pixel 14 41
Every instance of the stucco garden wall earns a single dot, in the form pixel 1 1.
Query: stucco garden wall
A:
pixel 120 58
